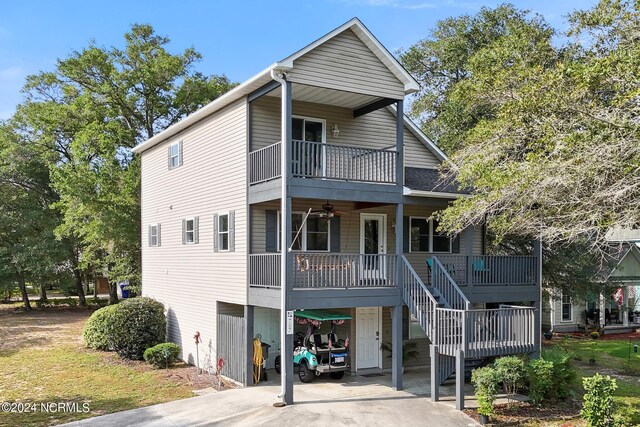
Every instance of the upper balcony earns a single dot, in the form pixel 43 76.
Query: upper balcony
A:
pixel 325 161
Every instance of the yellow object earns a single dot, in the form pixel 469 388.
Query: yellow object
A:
pixel 258 360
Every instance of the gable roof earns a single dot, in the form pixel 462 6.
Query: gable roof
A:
pixel 264 77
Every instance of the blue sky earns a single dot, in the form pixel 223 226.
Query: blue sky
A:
pixel 238 38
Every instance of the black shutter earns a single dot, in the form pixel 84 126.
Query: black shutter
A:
pixel 271 231
pixel 334 230
pixel 406 234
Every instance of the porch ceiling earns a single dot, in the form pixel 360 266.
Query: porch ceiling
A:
pixel 319 95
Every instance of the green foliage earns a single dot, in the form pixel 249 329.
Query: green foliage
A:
pixel 511 371
pixel 98 331
pixel 486 381
pixel 626 413
pixel 540 380
pixel 563 372
pixel 137 324
pixel 162 355
pixel 594 335
pixel 85 116
pixel 597 407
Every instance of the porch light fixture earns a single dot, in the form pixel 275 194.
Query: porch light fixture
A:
pixel 335 131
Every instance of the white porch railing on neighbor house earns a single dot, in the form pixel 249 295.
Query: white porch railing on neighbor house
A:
pixel 326 161
pixel 325 270
pixel 491 270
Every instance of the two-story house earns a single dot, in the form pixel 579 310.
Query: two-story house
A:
pixel 306 187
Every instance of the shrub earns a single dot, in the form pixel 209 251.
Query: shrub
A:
pixel 511 372
pixel 594 335
pixel 563 372
pixel 540 380
pixel 97 333
pixel 626 414
pixel 597 406
pixel 138 323
pixel 162 355
pixel 486 381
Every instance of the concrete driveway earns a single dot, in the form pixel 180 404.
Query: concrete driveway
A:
pixel 350 401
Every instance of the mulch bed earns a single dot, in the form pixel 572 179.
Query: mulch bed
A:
pixel 631 336
pixel 519 412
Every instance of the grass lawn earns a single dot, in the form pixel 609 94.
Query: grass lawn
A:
pixel 42 359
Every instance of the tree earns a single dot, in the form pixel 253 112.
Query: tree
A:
pixel 29 250
pixel 554 152
pixel 87 114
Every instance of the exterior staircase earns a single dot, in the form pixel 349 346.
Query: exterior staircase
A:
pixel 454 328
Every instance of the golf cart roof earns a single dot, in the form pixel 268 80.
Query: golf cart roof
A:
pixel 322 315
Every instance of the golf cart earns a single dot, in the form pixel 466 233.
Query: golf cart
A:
pixel 316 353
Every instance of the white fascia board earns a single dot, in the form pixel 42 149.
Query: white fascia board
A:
pixel 435 194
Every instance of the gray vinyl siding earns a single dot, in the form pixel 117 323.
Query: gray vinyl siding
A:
pixel 189 279
pixel 345 63
pixel 374 130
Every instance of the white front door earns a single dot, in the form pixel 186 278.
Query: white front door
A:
pixel 367 337
pixel 373 241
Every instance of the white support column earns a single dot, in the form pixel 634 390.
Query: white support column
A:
pixel 602 311
pixel 625 306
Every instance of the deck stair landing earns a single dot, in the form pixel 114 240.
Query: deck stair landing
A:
pixel 445 314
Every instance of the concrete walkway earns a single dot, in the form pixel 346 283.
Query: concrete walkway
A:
pixel 350 401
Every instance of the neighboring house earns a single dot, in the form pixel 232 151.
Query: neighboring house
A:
pixel 322 131
pixel 612 312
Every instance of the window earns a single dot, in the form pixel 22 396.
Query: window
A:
pixel 305 129
pixel 313 235
pixel 567 309
pixel 190 231
pixel 154 235
pixel 223 232
pixel 424 238
pixel 175 155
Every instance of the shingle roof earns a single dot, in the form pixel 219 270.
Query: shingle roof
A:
pixel 423 179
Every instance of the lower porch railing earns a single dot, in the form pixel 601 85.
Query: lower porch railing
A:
pixel 325 270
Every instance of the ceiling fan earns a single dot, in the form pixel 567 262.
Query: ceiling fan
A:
pixel 327 211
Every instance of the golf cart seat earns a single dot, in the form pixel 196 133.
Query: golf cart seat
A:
pixel 336 344
pixel 316 344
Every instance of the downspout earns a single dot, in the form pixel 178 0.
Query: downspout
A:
pixel 279 76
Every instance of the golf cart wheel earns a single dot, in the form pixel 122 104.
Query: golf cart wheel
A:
pixel 304 373
pixel 276 364
pixel 337 375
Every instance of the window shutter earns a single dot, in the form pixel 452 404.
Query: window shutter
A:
pixel 158 234
pixel 196 230
pixel 169 156
pixel 455 244
pixel 232 231
pixel 271 231
pixel 184 231
pixel 406 234
pixel 149 234
pixel 180 150
pixel 334 234
pixel 215 233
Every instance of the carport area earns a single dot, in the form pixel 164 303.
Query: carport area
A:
pixel 354 400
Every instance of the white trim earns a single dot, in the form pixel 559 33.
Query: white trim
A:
pixel 152 227
pixel 177 156
pixel 570 320
pixel 228 232
pixel 436 194
pixel 380 355
pixel 383 231
pixel 193 231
